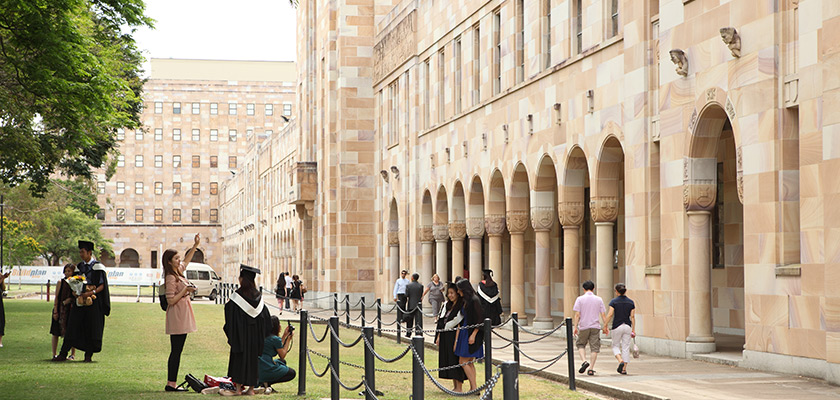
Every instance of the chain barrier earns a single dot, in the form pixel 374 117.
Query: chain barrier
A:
pixel 342 384
pixel 314 336
pixel 492 384
pixel 312 366
pixel 531 340
pixel 543 334
pixel 438 384
pixel 545 367
pixel 338 339
pixel 383 359
pixel 503 347
pixel 370 392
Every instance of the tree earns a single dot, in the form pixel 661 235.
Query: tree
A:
pixel 69 78
pixel 19 248
pixel 63 229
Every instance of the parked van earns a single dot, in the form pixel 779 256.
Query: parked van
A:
pixel 205 280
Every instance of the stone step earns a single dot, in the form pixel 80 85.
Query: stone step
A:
pixel 723 358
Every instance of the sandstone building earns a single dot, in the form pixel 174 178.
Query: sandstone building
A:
pixel 200 119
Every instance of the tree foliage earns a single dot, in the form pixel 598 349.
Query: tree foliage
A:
pixel 19 248
pixel 69 77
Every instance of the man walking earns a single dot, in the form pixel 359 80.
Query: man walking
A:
pixel 399 293
pixel 414 295
pixel 588 308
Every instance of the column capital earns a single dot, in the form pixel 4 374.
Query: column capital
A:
pixel 425 234
pixel 475 227
pixel 699 183
pixel 457 230
pixel 440 232
pixel 542 218
pixel 494 224
pixel 604 209
pixel 571 213
pixel 393 238
pixel 517 221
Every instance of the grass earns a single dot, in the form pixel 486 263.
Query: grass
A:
pixel 133 362
pixel 15 290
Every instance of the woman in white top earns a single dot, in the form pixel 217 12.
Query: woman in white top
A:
pixel 179 312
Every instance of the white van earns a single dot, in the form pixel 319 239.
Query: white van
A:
pixel 205 280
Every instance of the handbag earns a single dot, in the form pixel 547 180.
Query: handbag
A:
pixel 195 384
pixel 635 349
pixel 162 296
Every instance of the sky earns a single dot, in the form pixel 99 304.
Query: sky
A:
pixel 220 30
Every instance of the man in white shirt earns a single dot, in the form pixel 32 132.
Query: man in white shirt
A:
pixel 399 293
pixel 288 288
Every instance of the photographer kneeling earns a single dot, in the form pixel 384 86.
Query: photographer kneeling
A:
pixel 275 371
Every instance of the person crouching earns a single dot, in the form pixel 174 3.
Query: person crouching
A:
pixel 275 371
pixel 247 323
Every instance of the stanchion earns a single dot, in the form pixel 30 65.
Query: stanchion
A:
pixel 515 327
pixel 379 317
pixel 399 326
pixel 363 310
pixel 418 319
pixel 417 389
pixel 370 366
pixel 154 288
pixel 48 290
pixel 570 352
pixel 347 309
pixel 334 388
pixel 335 304
pixel 510 380
pixel 488 354
pixel 302 336
pixel 138 293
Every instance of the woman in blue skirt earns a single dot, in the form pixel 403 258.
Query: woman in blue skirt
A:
pixel 469 342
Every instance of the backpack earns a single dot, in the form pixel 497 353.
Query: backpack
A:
pixel 162 296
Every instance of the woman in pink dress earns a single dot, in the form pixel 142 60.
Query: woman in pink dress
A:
pixel 179 313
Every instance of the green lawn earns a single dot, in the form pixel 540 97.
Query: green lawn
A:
pixel 133 362
pixel 14 290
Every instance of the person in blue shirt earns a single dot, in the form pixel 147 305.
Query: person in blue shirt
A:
pixel 623 328
pixel 399 293
pixel 275 370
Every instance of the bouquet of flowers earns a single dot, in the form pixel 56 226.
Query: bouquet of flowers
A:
pixel 77 284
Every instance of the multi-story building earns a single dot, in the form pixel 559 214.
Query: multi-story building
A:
pixel 684 147
pixel 200 119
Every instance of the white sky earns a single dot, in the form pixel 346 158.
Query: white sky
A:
pixel 220 30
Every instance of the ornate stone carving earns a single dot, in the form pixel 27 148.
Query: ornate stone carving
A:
pixel 604 209
pixel 517 221
pixel 393 238
pixel 397 45
pixel 732 39
pixel 440 231
pixel 542 218
pixel 739 173
pixel 678 58
pixel 730 110
pixel 571 213
pixel 699 191
pixel 457 230
pixel 425 234
pixel 475 227
pixel 692 122
pixel 710 94
pixel 494 224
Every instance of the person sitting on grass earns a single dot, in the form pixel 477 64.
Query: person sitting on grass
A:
pixel 247 323
pixel 275 371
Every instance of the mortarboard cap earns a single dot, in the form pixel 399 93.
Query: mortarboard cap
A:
pixel 487 272
pixel 85 245
pixel 248 272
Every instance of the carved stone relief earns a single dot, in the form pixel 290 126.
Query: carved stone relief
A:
pixel 393 238
pixel 425 234
pixel 494 224
pixel 457 230
pixel 542 218
pixel 440 231
pixel 679 59
pixel 604 209
pixel 739 171
pixel 571 213
pixel 475 227
pixel 517 221
pixel 732 39
pixel 395 47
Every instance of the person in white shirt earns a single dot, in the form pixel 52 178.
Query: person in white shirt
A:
pixel 399 293
pixel 289 281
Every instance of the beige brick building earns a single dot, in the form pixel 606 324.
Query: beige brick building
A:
pixel 685 147
pixel 200 119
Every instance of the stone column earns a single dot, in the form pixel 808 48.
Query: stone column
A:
pixel 604 213
pixel 394 255
pixel 441 232
pixel 475 230
pixel 517 221
pixel 699 194
pixel 427 241
pixel 494 225
pixel 542 219
pixel 571 218
pixel 458 232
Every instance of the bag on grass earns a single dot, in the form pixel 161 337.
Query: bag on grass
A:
pixel 195 384
pixel 214 381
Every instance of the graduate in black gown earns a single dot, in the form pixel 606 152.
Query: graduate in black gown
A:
pixel 450 316
pixel 247 323
pixel 488 293
pixel 86 324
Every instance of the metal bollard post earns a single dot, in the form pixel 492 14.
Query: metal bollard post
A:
pixel 154 288
pixel 335 304
pixel 570 352
pixel 379 317
pixel 48 290
pixel 488 353
pixel 510 380
pixel 417 389
pixel 515 318
pixel 418 322
pixel 137 301
pixel 370 366
pixel 347 309
pixel 399 327
pixel 363 310
pixel 303 350
pixel 334 388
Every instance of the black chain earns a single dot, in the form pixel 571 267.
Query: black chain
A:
pixel 314 336
pixel 531 340
pixel 370 392
pixel 338 339
pixel 312 366
pixel 523 329
pixel 383 359
pixel 503 347
pixel 551 360
pixel 441 387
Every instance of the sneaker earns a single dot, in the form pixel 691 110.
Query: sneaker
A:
pixel 71 358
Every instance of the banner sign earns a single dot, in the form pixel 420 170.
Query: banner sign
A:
pixel 116 276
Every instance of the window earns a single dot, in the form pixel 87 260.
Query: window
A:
pixel 269 109
pixel 176 188
pixel 120 187
pixel 121 215
pixel 158 107
pixel 249 108
pixel 476 67
pixel 232 162
pixel 214 188
pixel 457 50
pixel 232 108
pixel 214 215
pixel 196 161
pixel 100 215
pixel 121 160
pixel 176 215
pixel 214 161
pixel 577 33
pixel 176 135
pixel 441 85
pixel 520 40
pixel 613 24
pixel 158 134
pixel 158 187
pixel 176 108
pixel 427 123
pixel 158 215
pixel 287 109
pixel 138 134
pixel 392 112
pixel 214 108
pixel 120 134
pixel 546 33
pixel 497 52
pixel 176 161
pixel 196 108
pixel 138 188
pixel 249 133
pixel 196 188
pixel 268 132
pixel 214 135
pixel 100 187
pixel 138 161
pixel 196 135
pixel 158 161
pixel 232 135
pixel 196 215
pixel 138 215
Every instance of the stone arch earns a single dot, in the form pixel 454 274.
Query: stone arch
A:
pixel 426 234
pixel 440 229
pixel 457 228
pixel 606 208
pixel 476 229
pixel 129 258
pixel 393 240
pixel 574 205
pixel 543 200
pixel 517 220
pixel 198 256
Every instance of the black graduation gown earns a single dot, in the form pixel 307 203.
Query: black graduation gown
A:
pixel 247 323
pixel 85 325
pixel 491 310
pixel 446 354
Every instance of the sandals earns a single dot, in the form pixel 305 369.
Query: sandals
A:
pixel 583 367
pixel 620 369
pixel 591 372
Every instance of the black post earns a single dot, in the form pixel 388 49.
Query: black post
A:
pixel 303 350
pixel 334 388
pixel 154 287
pixel 379 317
pixel 417 389
pixel 515 318
pixel 510 380
pixel 418 321
pixel 399 326
pixel 570 352
pixel 335 304
pixel 347 309
pixel 370 366
pixel 488 353
pixel 363 310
